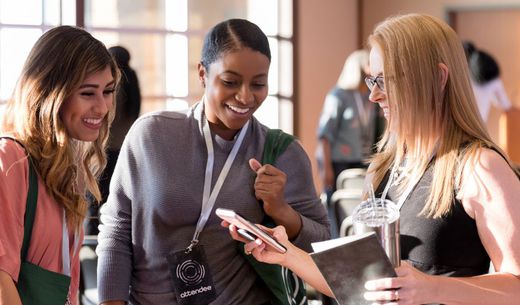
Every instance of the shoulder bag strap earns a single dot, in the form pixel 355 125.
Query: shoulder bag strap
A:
pixel 30 210
pixel 276 142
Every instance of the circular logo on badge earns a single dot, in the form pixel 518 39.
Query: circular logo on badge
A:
pixel 190 272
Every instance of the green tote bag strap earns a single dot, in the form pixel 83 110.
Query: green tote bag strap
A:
pixel 276 142
pixel 30 210
pixel 37 286
pixel 285 286
pixel 30 203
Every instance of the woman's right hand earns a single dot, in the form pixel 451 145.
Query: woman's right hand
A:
pixel 299 261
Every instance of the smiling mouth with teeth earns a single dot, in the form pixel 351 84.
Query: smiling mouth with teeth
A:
pixel 238 109
pixel 93 121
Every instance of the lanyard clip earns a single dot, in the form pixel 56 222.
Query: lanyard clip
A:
pixel 192 244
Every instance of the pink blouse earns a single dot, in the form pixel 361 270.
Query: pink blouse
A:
pixel 45 246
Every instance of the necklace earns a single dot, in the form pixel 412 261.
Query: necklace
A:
pixel 410 185
pixel 400 174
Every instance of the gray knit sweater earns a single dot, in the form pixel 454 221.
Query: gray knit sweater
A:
pixel 155 202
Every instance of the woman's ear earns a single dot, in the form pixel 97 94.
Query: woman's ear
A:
pixel 444 72
pixel 202 74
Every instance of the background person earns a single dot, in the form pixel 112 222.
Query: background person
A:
pixel 349 126
pixel 164 183
pixel 59 115
pixel 128 107
pixel 487 84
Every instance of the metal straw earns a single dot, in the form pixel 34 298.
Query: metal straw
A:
pixel 372 200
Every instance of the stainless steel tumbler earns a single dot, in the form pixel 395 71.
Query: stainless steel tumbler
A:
pixel 381 217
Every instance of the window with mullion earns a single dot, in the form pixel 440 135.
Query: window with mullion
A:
pixel 164 38
pixel 20 28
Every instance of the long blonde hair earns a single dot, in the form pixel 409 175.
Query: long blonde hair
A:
pixel 56 66
pixel 412 47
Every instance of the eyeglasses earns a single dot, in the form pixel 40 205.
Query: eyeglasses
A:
pixel 371 81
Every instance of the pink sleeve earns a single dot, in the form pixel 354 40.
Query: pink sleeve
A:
pixel 13 194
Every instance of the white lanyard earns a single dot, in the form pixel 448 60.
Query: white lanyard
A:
pixel 411 184
pixel 209 198
pixel 65 254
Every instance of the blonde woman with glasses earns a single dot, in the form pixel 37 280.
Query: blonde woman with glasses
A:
pixel 457 190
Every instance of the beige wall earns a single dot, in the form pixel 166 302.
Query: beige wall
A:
pixel 327 33
pixel 375 11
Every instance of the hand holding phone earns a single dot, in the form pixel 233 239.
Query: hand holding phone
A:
pixel 249 230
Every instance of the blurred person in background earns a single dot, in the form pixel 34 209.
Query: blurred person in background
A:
pixel 349 126
pixel 128 107
pixel 487 85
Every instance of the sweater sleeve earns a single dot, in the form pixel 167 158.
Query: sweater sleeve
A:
pixel 114 248
pixel 13 195
pixel 302 196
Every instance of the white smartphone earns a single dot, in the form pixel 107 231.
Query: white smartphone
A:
pixel 250 229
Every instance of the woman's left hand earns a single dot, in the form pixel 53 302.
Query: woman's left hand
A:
pixel 409 287
pixel 269 186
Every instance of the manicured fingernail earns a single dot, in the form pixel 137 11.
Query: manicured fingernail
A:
pixel 365 295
